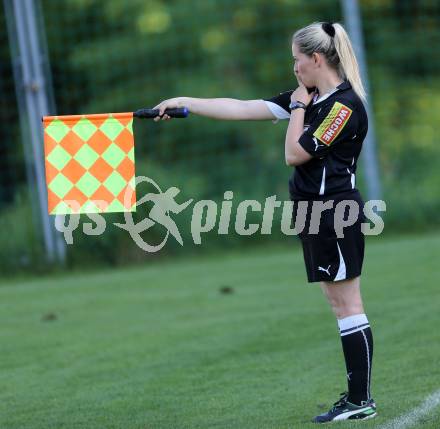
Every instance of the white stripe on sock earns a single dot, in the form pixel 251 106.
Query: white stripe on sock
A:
pixel 368 362
pixel 361 328
pixel 352 321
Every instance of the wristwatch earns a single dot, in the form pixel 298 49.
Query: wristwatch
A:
pixel 297 105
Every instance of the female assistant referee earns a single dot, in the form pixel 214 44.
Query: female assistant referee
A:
pixel 327 125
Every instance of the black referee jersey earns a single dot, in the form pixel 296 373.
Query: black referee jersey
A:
pixel 335 126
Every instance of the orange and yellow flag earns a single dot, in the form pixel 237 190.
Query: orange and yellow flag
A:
pixel 90 163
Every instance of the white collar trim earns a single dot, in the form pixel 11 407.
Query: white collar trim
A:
pixel 317 100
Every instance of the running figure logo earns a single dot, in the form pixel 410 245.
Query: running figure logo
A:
pixel 326 270
pixel 164 204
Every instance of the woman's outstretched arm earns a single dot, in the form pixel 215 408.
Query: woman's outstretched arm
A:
pixel 219 108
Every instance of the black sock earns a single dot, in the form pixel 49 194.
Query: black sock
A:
pixel 357 344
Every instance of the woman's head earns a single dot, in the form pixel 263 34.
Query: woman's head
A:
pixel 320 47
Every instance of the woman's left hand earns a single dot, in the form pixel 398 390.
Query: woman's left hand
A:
pixel 301 94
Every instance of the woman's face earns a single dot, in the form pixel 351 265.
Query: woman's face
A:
pixel 304 67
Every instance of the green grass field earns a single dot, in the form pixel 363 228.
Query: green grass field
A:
pixel 162 347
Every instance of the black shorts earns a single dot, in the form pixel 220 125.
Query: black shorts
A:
pixel 332 252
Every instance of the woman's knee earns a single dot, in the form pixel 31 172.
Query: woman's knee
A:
pixel 344 298
pixel 345 310
pixel 345 307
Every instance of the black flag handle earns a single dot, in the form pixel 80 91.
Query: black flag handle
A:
pixel 181 112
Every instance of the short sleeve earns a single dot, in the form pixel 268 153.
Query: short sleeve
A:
pixel 335 122
pixel 279 105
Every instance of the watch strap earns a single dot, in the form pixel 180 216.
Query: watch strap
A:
pixel 297 105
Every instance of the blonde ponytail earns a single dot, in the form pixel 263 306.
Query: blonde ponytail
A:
pixel 348 63
pixel 336 48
